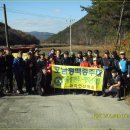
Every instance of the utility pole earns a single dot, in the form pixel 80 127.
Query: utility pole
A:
pixel 70 37
pixel 120 23
pixel 6 27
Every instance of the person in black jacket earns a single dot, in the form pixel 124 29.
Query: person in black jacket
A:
pixel 108 65
pixel 42 81
pixel 2 72
pixel 66 59
pixel 90 56
pixel 9 71
pixel 29 73
pixel 58 57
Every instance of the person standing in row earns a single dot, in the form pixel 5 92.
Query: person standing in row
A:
pixel 9 72
pixel 2 72
pixel 18 69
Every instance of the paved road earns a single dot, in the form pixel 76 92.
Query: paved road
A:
pixel 62 111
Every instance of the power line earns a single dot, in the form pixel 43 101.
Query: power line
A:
pixel 32 14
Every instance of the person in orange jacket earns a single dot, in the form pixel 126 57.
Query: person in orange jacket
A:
pixel 85 63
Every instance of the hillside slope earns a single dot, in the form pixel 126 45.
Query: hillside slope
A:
pixel 16 37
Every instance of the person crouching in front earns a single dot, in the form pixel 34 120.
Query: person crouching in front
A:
pixel 42 81
pixel 114 85
pixel 85 63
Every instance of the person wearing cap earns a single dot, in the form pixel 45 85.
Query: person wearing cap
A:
pixel 18 69
pixel 72 59
pixel 114 85
pixel 66 59
pixel 85 63
pixel 123 63
pixel 95 65
pixel 115 59
pixel 108 65
pixel 124 69
pixel 97 56
pixel 58 57
pixel 41 62
pixel 9 71
pixel 2 72
pixel 36 54
pixel 79 58
pixel 29 73
pixel 90 56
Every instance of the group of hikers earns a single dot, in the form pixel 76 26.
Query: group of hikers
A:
pixel 36 70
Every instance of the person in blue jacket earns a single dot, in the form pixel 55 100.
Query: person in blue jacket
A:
pixel 124 69
pixel 18 69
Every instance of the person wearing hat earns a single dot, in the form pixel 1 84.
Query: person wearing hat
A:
pixel 90 57
pixel 115 59
pixel 108 65
pixel 114 85
pixel 29 73
pixel 9 71
pixel 18 69
pixel 2 72
pixel 124 69
pixel 79 58
pixel 41 62
pixel 85 63
pixel 72 58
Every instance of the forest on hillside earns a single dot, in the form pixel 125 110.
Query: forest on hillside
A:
pixel 100 25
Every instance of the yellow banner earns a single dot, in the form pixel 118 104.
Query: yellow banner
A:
pixel 76 77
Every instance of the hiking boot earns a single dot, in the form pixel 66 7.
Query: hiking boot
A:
pixel 118 99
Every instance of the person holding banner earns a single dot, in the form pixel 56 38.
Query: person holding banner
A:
pixel 95 65
pixel 79 58
pixel 66 59
pixel 85 63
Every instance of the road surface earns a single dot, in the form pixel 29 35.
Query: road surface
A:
pixel 63 111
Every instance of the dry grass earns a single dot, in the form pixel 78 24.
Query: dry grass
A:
pixel 84 48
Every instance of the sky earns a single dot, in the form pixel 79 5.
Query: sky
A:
pixel 42 15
